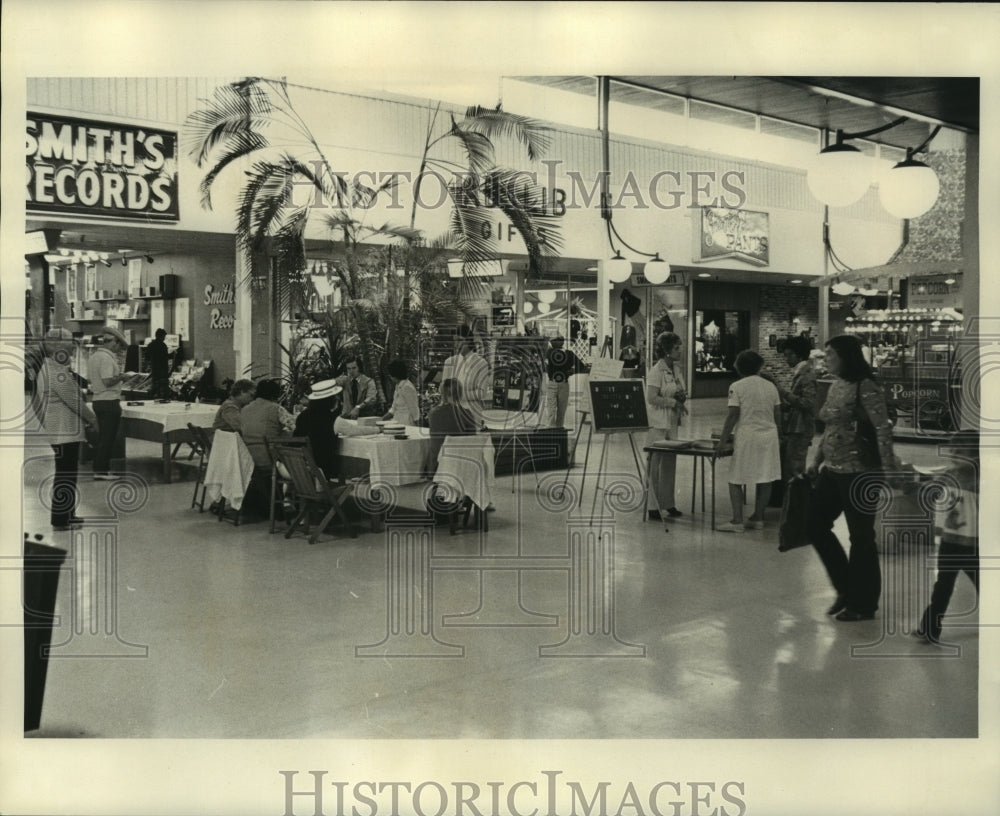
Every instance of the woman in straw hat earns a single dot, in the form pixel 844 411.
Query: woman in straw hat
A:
pixel 316 423
pixel 64 417
pixel 104 370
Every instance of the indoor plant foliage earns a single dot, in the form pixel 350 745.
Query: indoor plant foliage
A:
pixel 392 279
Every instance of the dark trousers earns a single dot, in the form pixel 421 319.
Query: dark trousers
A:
pixel 64 493
pixel 855 576
pixel 109 417
pixel 160 388
pixel 953 559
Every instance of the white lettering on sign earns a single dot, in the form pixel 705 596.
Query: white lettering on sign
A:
pixel 89 167
pixel 218 320
pixel 225 295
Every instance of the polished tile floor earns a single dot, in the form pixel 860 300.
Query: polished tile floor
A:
pixel 611 628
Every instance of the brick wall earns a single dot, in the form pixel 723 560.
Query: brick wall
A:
pixel 776 303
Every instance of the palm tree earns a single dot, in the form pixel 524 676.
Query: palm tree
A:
pixel 235 127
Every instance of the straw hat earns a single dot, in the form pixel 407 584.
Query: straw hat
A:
pixel 117 335
pixel 324 389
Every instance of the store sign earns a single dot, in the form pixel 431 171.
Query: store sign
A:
pixel 90 167
pixel 723 233
pixel 908 394
pixel 674 279
pixel 217 319
pixel 933 292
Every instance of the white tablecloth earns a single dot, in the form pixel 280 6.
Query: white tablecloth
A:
pixel 229 469
pixel 391 461
pixel 173 416
pixel 465 468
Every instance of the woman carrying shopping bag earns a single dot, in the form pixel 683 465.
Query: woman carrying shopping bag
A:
pixel 856 441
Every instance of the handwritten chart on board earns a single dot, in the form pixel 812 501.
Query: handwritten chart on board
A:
pixel 619 405
pixel 601 368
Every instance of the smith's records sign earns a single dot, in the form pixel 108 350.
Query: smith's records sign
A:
pixel 100 168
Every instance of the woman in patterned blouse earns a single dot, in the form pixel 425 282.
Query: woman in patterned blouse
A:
pixel 845 455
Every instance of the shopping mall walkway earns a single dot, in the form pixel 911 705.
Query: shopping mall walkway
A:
pixel 229 632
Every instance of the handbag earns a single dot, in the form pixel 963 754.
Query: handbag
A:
pixel 792 530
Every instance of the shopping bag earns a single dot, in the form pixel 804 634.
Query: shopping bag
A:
pixel 792 531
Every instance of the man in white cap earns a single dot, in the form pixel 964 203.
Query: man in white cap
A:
pixel 104 371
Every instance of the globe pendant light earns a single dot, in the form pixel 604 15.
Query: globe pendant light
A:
pixel 909 189
pixel 547 296
pixel 656 271
pixel 619 269
pixel 840 175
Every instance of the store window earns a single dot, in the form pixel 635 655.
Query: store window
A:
pixel 669 312
pixel 719 337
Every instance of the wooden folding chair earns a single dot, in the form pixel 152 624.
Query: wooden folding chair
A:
pixel 312 489
pixel 202 446
pixel 280 480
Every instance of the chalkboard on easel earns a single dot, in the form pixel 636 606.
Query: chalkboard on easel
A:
pixel 618 405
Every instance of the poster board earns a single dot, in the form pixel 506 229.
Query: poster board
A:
pixel 181 318
pixel 618 405
pixel 601 370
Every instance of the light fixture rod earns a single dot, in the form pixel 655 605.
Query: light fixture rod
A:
pixel 910 152
pixel 864 134
pixel 611 225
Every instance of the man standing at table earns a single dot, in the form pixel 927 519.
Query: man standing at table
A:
pixel 159 366
pixel 360 395
pixel 104 371
pixel 472 373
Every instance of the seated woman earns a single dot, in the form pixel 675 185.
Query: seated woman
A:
pixel 227 418
pixel 264 418
pixel 448 419
pixel 405 406
pixel 316 424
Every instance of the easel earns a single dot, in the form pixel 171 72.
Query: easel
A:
pixel 598 487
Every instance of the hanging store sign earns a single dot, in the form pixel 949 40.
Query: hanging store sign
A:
pixel 934 292
pixel 97 168
pixel 724 233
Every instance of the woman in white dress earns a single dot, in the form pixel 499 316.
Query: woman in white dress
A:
pixel 755 415
pixel 665 398
pixel 405 407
